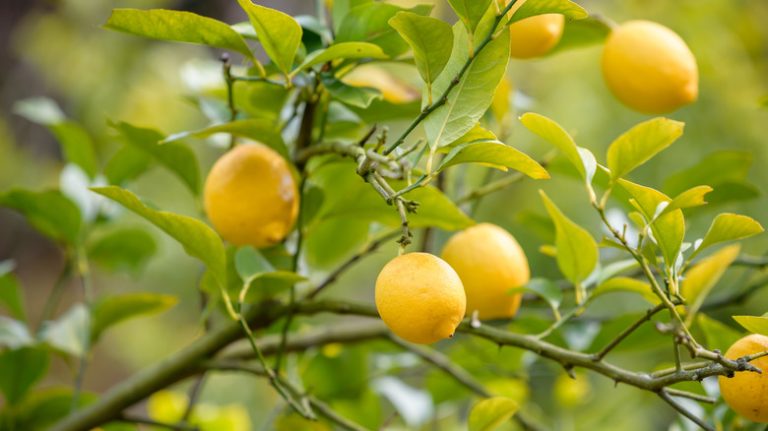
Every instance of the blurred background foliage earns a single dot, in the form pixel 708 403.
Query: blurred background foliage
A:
pixel 57 49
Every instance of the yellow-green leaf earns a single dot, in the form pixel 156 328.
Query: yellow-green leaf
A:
pixel 279 33
pixel 490 413
pixel 349 50
pixel 702 277
pixel 577 252
pixel 729 227
pixel 178 26
pixel 755 324
pixel 640 143
pixel 430 38
pixel 118 308
pixel 550 131
pixel 688 199
pixel 496 154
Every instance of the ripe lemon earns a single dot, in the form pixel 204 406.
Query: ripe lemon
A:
pixel 251 197
pixel 747 392
pixel 489 262
pixel 536 35
pixel 649 68
pixel 420 297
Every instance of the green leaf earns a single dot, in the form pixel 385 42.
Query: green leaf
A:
pixel 14 334
pixel 540 7
pixel 178 26
pixel 348 50
pixel 20 370
pixel 369 22
pixel 50 212
pixel 430 39
pixel 279 33
pixel 197 238
pixel 69 333
pixel 126 249
pixel 472 96
pixel 491 413
pixel 176 157
pixel 127 164
pixel 577 252
pixel 360 97
pixel 640 143
pixel 688 199
pixel 497 155
pixel 10 293
pixel 258 129
pixel 626 284
pixel 718 335
pixel 115 309
pixel 702 277
pixel 668 229
pixel 470 11
pixel 553 133
pixel 754 324
pixel 581 33
pixel 76 144
pixel 728 227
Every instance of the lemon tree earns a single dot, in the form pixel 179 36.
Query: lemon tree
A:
pixel 383 230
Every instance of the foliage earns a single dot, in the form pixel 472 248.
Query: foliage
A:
pixel 371 171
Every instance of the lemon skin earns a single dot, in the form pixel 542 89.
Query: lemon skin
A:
pixel 535 36
pixel 649 68
pixel 747 392
pixel 250 196
pixel 489 262
pixel 420 298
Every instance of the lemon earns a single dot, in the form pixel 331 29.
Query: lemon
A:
pixel 251 197
pixel 489 262
pixel 535 36
pixel 649 68
pixel 420 297
pixel 747 392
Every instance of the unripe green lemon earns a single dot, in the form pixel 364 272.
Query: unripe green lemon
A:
pixel 490 263
pixel 251 197
pixel 747 392
pixel 649 68
pixel 420 298
pixel 535 36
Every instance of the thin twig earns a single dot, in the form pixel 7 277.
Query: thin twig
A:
pixel 627 332
pixel 690 395
pixel 682 410
pixel 334 275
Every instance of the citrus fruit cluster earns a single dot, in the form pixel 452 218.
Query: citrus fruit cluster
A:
pixel 647 66
pixel 423 298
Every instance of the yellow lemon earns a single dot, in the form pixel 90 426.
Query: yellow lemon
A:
pixel 420 297
pixel 747 392
pixel 490 262
pixel 536 35
pixel 251 197
pixel 649 68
